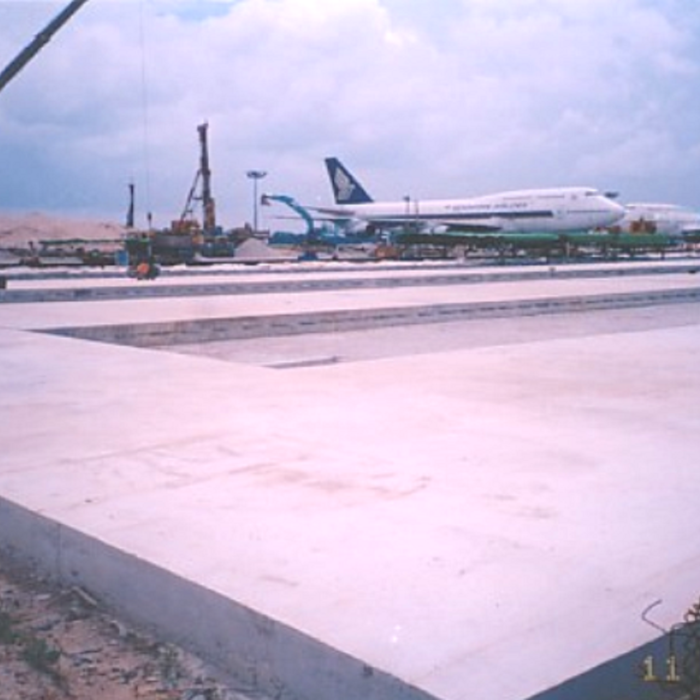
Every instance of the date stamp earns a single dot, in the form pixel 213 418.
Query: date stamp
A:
pixel 680 666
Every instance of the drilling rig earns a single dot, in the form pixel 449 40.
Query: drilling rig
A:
pixel 188 239
pixel 187 222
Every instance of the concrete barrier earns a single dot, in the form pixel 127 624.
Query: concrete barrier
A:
pixel 257 654
pixel 254 653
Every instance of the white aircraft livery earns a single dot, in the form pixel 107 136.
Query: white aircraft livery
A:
pixel 668 219
pixel 521 211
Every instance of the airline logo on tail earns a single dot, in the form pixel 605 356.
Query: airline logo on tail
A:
pixel 344 186
pixel 346 189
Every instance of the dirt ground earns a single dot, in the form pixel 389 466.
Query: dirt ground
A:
pixel 18 230
pixel 60 644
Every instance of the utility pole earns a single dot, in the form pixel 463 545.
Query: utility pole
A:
pixel 130 211
pixel 39 41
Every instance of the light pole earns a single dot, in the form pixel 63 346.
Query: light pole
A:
pixel 255 175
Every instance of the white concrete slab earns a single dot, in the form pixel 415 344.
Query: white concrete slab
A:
pixel 39 315
pixel 486 522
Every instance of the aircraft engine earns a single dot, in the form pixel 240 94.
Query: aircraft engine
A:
pixel 356 227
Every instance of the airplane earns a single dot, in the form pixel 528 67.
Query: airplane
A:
pixel 668 219
pixel 522 211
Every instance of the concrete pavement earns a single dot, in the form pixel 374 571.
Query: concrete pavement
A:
pixel 474 522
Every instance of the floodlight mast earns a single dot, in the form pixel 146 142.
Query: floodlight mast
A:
pixel 39 41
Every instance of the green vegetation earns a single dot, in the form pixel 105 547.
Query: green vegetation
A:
pixel 40 655
pixel 7 633
pixel 36 652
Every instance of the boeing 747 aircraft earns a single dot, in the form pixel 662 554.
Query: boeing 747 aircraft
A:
pixel 668 219
pixel 523 211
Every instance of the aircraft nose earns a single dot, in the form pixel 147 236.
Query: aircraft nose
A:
pixel 617 211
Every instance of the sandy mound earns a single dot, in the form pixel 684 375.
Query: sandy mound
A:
pixel 18 231
pixel 253 249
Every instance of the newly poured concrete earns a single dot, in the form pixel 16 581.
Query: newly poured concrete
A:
pixel 469 522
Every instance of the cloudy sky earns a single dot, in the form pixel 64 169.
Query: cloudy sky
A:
pixel 426 98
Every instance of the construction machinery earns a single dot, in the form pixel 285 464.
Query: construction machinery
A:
pixel 188 239
pixel 187 221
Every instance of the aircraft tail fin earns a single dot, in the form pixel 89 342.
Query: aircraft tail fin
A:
pixel 346 189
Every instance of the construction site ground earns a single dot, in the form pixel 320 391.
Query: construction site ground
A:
pixel 61 643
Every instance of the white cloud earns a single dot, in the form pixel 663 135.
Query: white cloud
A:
pixel 431 99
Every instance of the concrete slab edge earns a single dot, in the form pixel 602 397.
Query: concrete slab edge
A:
pixel 217 329
pixel 624 677
pixel 261 654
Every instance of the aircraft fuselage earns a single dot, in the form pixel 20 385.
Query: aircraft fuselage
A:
pixel 561 209
pixel 669 219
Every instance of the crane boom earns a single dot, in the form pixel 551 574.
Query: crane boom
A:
pixel 39 41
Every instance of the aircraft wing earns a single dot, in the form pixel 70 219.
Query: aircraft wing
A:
pixel 435 225
pixel 330 212
pixel 425 224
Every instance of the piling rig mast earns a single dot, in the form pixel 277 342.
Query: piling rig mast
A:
pixel 203 174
